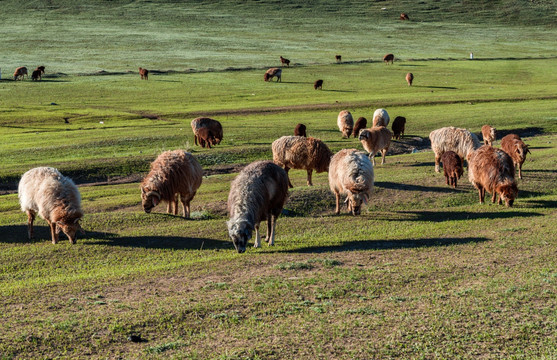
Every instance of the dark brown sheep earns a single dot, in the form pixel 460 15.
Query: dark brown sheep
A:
pixel 338 58
pixel 36 75
pixel 361 123
pixel 285 61
pixel 398 127
pixel 318 84
pixel 214 132
pixel 300 130
pixel 389 58
pixel 404 16
pixel 205 137
pixel 452 167
pixel 409 78
pixel 144 73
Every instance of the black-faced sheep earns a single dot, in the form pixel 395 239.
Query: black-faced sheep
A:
pixel 380 118
pixel 20 73
pixel 345 123
pixel 172 172
pixel 300 130
pixel 409 78
pixel 284 61
pixel 257 194
pixel 492 169
pixel 298 152
pixel 361 123
pixel 55 198
pixel 144 73
pixel 452 167
pixel 351 174
pixel 513 145
pixel 399 125
pixel 389 58
pixel 488 134
pixel 214 132
pixel 338 58
pixel 374 140
pixel 318 84
pixel 461 141
pixel 271 73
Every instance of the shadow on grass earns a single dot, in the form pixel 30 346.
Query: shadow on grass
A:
pixel 522 132
pixel 400 186
pixel 542 203
pixel 343 91
pixel 441 216
pixel 388 244
pixel 436 87
pixel 15 234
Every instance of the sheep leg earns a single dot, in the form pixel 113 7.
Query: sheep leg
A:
pixel 482 194
pixel 169 207
pixel 437 160
pixel 337 210
pixel 494 196
pixel 175 205
pixel 286 168
pixel 519 170
pixel 257 237
pixel 383 153
pixel 30 219
pixel 309 178
pixel 186 204
pixel 372 158
pixel 195 139
pixel 53 233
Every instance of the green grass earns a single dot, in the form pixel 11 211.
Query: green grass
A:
pixel 424 272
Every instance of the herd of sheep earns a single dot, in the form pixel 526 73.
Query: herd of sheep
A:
pixel 260 190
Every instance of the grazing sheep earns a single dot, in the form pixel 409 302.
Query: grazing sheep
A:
pixel 205 137
pixel 144 73
pixel 361 123
pixel 389 58
pixel 374 140
pixel 172 172
pixel 513 145
pixel 284 61
pixel 399 125
pixel 409 78
pixel 215 133
pixel 271 73
pixel 338 58
pixel 300 130
pixel 380 118
pixel 20 73
pixel 257 194
pixel 345 123
pixel 318 84
pixel 404 16
pixel 461 141
pixel 452 167
pixel 44 191
pixel 351 173
pixel 488 134
pixel 492 169
pixel 36 75
pixel 298 152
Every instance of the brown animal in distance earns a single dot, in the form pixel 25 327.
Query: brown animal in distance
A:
pixel 285 61
pixel 20 72
pixel 452 167
pixel 389 58
pixel 409 78
pixel 404 16
pixel 338 58
pixel 318 84
pixel 144 73
pixel 300 130
pixel 360 124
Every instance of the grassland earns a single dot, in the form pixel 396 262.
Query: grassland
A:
pixel 425 272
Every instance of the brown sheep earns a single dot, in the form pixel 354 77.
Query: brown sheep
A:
pixel 488 134
pixel 300 130
pixel 409 78
pixel 298 152
pixel 404 16
pixel 513 145
pixel 399 125
pixel 144 73
pixel 285 61
pixel 492 169
pixel 205 137
pixel 389 58
pixel 215 130
pixel 20 73
pixel 345 123
pixel 338 58
pixel 376 139
pixel 452 167
pixel 271 73
pixel 318 84
pixel 172 172
pixel 361 123
pixel 36 75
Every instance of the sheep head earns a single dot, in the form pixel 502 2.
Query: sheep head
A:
pixel 364 134
pixel 240 232
pixel 507 193
pixel 149 199
pixel 70 225
pixel 354 201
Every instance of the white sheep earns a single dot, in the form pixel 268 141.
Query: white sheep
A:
pixel 380 118
pixel 257 194
pixel 345 123
pixel 450 138
pixel 351 173
pixel 376 139
pixel 44 191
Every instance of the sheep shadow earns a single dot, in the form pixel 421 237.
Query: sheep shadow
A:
pixel 342 91
pixel 540 204
pixel 408 187
pixel 436 87
pixel 522 132
pixel 442 216
pixel 17 234
pixel 162 242
pixel 388 244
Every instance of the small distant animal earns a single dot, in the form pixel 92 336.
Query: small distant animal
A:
pixel 338 58
pixel 144 73
pixel 399 124
pixel 513 145
pixel 389 58
pixel 212 135
pixel 452 167
pixel 300 130
pixel 284 61
pixel 20 73
pixel 404 16
pixel 271 73
pixel 488 134
pixel 318 84
pixel 361 123
pixel 345 123
pixel 409 78
pixel 37 74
